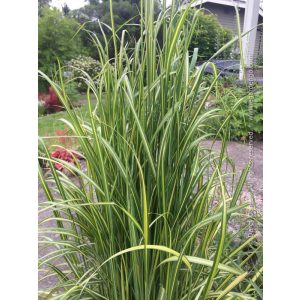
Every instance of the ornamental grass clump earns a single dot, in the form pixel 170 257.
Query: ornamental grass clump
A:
pixel 147 216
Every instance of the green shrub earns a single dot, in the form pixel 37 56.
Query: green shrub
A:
pixel 147 217
pixel 209 36
pixel 43 85
pixel 81 65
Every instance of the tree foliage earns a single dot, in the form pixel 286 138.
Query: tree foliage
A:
pixel 56 39
pixel 42 4
pixel 66 9
pixel 126 16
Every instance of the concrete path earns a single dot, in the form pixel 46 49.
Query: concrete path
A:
pixel 241 154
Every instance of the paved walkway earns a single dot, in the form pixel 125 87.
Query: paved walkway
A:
pixel 242 153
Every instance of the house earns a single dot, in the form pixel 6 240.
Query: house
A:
pixel 224 10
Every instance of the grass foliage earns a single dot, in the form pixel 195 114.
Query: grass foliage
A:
pixel 148 217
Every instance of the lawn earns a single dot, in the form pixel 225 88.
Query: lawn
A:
pixel 50 125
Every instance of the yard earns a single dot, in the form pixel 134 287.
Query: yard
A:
pixel 155 194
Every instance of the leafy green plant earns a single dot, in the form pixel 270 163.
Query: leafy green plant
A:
pixel 147 217
pixel 248 117
pixel 209 36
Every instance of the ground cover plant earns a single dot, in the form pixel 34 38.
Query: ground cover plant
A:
pixel 246 117
pixel 147 216
pixel 243 119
